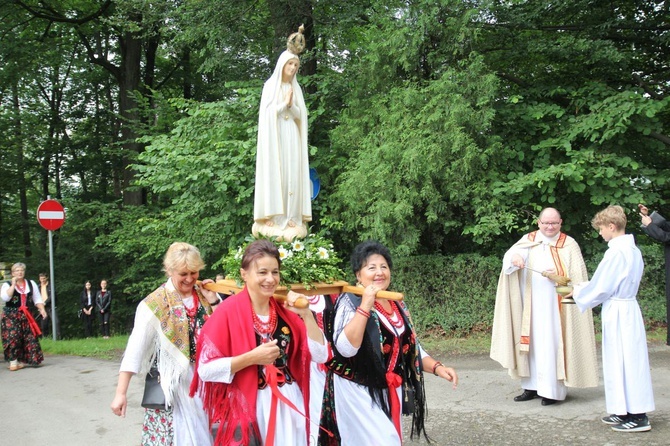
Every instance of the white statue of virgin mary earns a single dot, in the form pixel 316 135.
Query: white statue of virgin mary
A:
pixel 282 203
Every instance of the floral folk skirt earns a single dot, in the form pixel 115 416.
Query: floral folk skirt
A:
pixel 18 341
pixel 157 428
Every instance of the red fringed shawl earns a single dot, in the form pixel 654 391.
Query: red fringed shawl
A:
pixel 230 329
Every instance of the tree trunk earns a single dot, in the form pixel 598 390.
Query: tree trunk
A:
pixel 187 82
pixel 21 178
pixel 129 84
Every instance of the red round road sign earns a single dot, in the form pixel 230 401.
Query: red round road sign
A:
pixel 50 215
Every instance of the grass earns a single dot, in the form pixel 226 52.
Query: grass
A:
pixel 436 342
pixel 111 348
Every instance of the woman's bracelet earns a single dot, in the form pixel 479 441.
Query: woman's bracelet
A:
pixel 435 366
pixel 362 312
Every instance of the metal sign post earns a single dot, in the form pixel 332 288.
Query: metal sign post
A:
pixel 51 216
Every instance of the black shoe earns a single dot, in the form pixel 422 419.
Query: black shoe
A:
pixel 634 424
pixel 527 395
pixel 548 401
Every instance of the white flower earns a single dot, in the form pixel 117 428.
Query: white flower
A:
pixel 238 254
pixel 298 246
pixel 283 253
pixel 323 253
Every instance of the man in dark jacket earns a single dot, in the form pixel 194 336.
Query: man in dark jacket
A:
pixel 45 292
pixel 658 228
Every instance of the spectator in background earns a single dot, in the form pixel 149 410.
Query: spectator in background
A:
pixel 658 228
pixel 45 293
pixel 103 302
pixel 87 301
pixel 222 296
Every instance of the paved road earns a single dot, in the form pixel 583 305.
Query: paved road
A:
pixel 66 402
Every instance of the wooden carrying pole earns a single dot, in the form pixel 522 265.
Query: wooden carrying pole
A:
pixel 228 286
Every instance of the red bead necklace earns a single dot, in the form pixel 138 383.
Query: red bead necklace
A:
pixel 191 312
pixel 263 328
pixel 389 315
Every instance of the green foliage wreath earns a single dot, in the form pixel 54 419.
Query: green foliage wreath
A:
pixel 305 261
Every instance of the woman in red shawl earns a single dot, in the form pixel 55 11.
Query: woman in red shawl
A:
pixel 253 359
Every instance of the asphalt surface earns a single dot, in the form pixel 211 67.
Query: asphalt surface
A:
pixel 66 402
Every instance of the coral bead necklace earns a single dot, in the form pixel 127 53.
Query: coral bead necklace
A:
pixel 398 322
pixel 265 328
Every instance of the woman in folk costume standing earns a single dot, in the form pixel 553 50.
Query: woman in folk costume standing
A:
pixel 19 328
pixel 167 324
pixel 377 361
pixel 282 192
pixel 253 370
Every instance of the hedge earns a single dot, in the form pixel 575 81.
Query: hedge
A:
pixel 456 294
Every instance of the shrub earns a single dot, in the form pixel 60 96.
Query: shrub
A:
pixel 455 294
pixel 652 287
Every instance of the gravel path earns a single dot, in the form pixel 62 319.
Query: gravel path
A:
pixel 66 402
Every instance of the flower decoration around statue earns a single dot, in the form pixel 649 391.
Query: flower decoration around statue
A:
pixel 304 261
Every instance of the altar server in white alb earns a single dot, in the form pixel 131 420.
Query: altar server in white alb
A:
pixel 628 392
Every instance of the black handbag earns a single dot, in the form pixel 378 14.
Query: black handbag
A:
pixel 153 397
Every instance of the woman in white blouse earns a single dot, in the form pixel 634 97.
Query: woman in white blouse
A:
pixel 167 325
pixel 253 370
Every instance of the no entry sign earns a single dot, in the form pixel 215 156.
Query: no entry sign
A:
pixel 50 215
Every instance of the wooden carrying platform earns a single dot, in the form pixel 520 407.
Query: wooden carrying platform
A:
pixel 228 286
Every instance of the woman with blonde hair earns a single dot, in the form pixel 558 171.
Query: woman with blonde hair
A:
pixel 20 331
pixel 167 325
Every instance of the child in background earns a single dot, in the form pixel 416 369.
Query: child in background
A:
pixel 628 392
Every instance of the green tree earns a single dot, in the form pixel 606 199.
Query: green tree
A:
pixel 582 110
pixel 576 117
pixel 416 131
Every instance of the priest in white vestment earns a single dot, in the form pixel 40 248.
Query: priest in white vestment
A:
pixel 548 345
